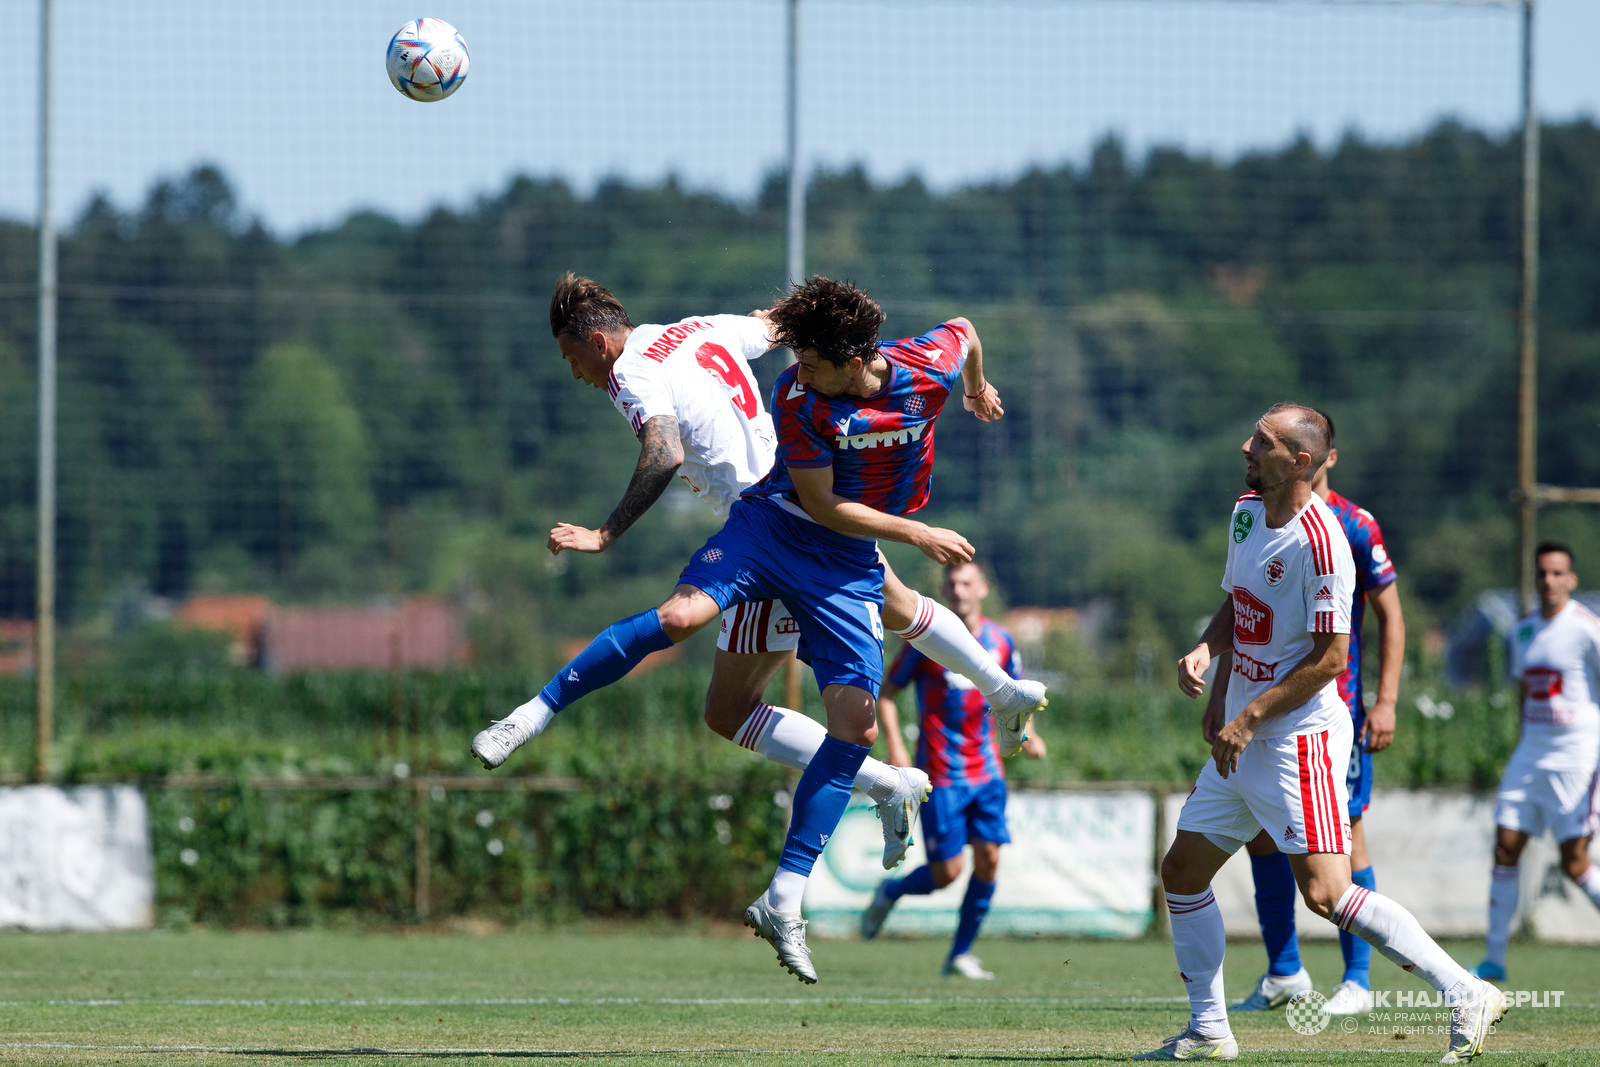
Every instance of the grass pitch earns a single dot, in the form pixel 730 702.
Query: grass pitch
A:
pixel 681 996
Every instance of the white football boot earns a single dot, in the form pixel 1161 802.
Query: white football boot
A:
pixel 1013 709
pixel 1191 1046
pixel 1351 998
pixel 967 966
pixel 1273 991
pixel 785 933
pixel 872 919
pixel 898 813
pixel 495 745
pixel 1470 1023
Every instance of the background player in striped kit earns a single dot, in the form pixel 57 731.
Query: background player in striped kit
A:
pixel 1290 579
pixel 1374 730
pixel 956 747
pixel 689 395
pixel 1553 777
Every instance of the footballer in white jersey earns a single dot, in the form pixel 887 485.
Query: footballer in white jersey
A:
pixel 698 372
pixel 1552 781
pixel 1279 763
pixel 1286 585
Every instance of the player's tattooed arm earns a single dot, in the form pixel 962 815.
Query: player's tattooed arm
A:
pixel 660 456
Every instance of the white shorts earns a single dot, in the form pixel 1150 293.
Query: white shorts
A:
pixel 1293 787
pixel 760 626
pixel 1534 799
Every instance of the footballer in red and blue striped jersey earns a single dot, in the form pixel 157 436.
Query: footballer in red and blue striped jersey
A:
pixel 1374 570
pixel 955 738
pixel 880 447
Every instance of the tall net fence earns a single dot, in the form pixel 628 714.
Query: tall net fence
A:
pixel 305 358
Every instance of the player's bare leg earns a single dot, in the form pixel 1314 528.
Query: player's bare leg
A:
pixel 1504 891
pixel 606 659
pixel 938 633
pixel 735 710
pixel 1575 862
pixel 1504 894
pixel 1475 1005
pixel 819 802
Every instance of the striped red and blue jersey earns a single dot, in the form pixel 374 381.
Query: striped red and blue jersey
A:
pixel 955 733
pixel 880 447
pixel 1374 570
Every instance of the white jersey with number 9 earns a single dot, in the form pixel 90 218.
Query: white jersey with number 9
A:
pixel 698 372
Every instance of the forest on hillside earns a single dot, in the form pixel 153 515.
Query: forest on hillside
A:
pixel 377 408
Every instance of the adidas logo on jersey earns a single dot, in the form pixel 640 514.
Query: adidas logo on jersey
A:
pixel 1324 594
pixel 902 436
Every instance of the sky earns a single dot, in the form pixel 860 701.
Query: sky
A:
pixel 298 112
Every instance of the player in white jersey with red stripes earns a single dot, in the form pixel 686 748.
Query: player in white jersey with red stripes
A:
pixel 688 392
pixel 1552 779
pixel 1279 763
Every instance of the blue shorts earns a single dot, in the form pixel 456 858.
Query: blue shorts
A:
pixel 832 585
pixel 956 814
pixel 1358 776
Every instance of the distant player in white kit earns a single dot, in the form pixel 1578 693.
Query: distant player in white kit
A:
pixel 1289 579
pixel 690 397
pixel 1552 778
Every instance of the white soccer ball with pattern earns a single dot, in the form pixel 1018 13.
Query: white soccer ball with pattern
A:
pixel 427 59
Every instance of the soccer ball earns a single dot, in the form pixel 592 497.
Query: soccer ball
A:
pixel 427 59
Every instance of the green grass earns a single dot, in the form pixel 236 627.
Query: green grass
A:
pixel 675 994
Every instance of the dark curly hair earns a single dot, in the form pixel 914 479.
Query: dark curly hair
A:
pixel 580 306
pixel 837 319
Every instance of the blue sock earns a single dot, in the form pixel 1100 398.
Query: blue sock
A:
pixel 974 909
pixel 819 802
pixel 1357 953
pixel 613 654
pixel 919 883
pixel 1275 891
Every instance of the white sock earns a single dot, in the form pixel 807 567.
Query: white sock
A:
pixel 1503 889
pixel 791 739
pixel 1388 927
pixel 1589 882
pixel 1199 941
pixel 786 891
pixel 536 713
pixel 938 633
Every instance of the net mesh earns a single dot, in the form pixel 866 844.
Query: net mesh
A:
pixel 304 348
